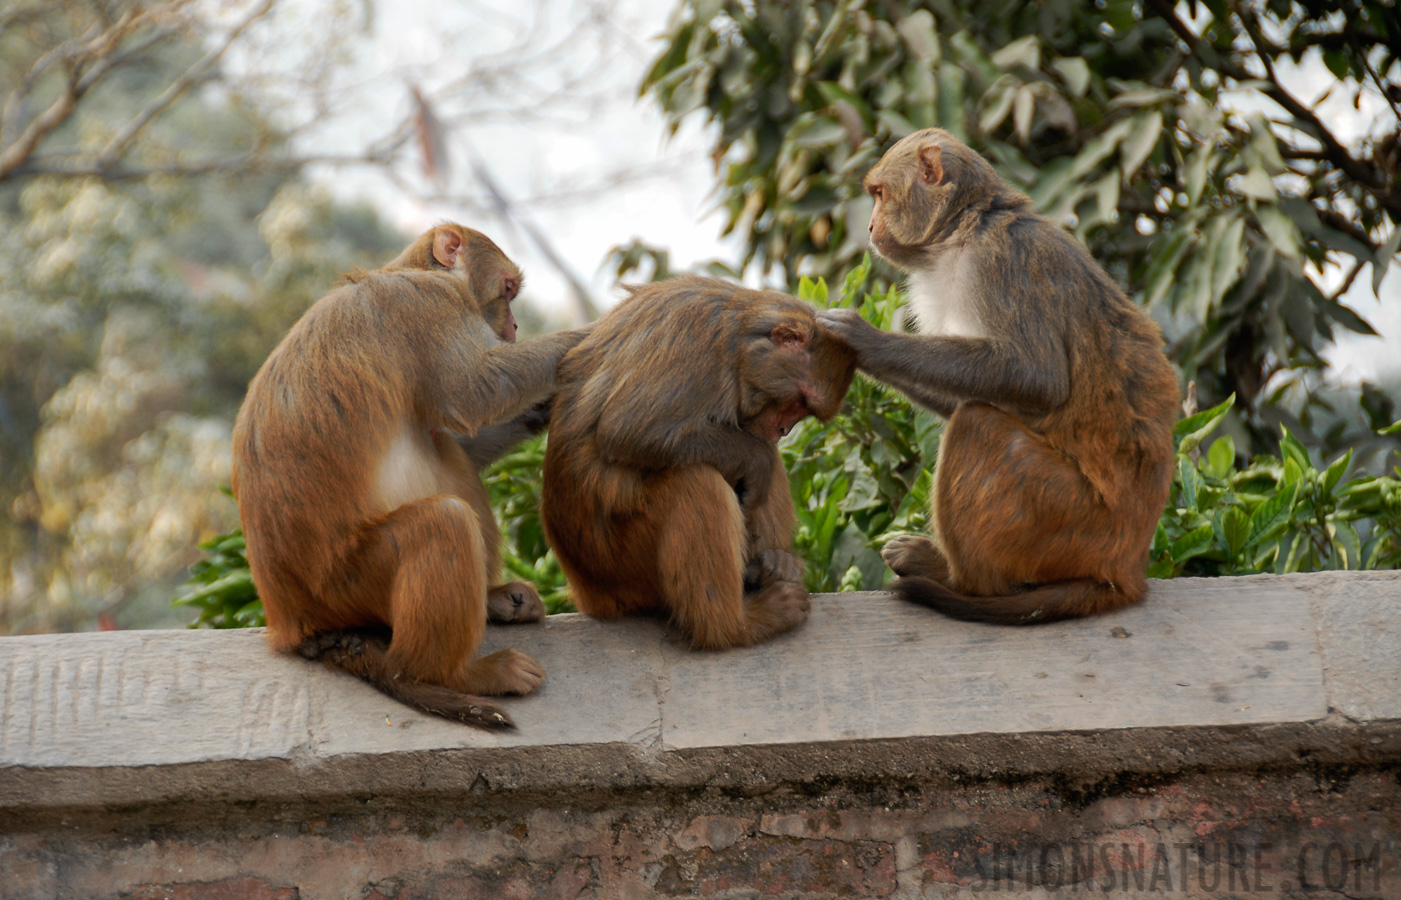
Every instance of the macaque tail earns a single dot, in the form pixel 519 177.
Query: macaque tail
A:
pixel 363 654
pixel 1045 603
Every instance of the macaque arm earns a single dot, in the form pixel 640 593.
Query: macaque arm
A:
pixel 930 397
pixel 664 443
pixel 505 381
pixel 492 441
pixel 1027 371
pixel 986 369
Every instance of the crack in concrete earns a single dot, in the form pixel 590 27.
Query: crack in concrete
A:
pixel 661 690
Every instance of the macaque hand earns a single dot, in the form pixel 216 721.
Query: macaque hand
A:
pixel 848 325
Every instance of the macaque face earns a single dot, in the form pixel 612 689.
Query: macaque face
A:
pixel 913 186
pixel 793 374
pixel 495 279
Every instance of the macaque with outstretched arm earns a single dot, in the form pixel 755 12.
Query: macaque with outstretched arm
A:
pixel 356 458
pixel 1057 458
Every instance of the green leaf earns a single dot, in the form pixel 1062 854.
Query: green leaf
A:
pixel 1290 447
pixel 1191 483
pixel 1269 518
pixel 814 292
pixel 920 35
pixel 1230 256
pixel 1193 543
pixel 896 124
pixel 1075 72
pixel 1345 539
pixel 1336 61
pixel 1263 145
pixel 1280 230
pixel 1256 183
pixel 1221 457
pixel 1235 530
pixel 1334 473
pixel 1099 147
pixel 998 102
pixel 814 130
pixel 1142 96
pixel 1024 51
pixel 1146 133
pixel 1192 430
pixel 1197 168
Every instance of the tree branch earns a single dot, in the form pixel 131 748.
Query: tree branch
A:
pixel 1333 151
pixel 98 52
pixel 123 138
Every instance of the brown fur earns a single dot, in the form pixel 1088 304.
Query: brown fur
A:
pixel 360 507
pixel 663 488
pixel 1057 458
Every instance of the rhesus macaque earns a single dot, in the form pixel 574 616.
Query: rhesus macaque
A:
pixel 1057 457
pixel 355 469
pixel 663 487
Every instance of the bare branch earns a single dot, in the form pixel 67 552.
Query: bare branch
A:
pixel 256 161
pixel 98 51
pixel 123 138
pixel 1347 282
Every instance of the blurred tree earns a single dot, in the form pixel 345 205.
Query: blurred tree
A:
pixel 157 236
pixel 148 262
pixel 1182 142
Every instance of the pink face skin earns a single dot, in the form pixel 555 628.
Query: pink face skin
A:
pixel 772 424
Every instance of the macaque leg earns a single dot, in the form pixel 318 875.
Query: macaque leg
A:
pixel 514 602
pixel 913 555
pixel 1013 510
pixel 770 522
pixel 511 602
pixel 431 555
pixel 700 565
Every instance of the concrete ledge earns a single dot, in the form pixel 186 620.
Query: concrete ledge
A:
pixel 1230 737
pixel 1207 674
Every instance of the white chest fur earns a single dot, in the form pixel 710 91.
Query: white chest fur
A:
pixel 940 299
pixel 407 472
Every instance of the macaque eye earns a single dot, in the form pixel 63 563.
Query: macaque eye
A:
pixel 877 191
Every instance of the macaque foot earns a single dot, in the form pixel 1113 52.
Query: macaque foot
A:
pixel 910 554
pixel 771 566
pixel 514 602
pixel 780 607
pixel 506 671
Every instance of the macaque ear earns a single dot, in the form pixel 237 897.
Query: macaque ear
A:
pixel 931 164
pixel 447 247
pixel 786 335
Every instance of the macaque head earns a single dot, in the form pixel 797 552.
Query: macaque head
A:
pixel 920 185
pixel 493 280
pixel 793 370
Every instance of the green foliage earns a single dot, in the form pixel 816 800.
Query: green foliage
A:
pixel 514 484
pixel 865 474
pixel 1114 117
pixel 220 586
pixel 1278 514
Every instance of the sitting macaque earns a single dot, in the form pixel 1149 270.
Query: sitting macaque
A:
pixel 1057 457
pixel 663 488
pixel 356 455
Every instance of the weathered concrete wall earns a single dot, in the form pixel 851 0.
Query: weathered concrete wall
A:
pixel 1228 738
